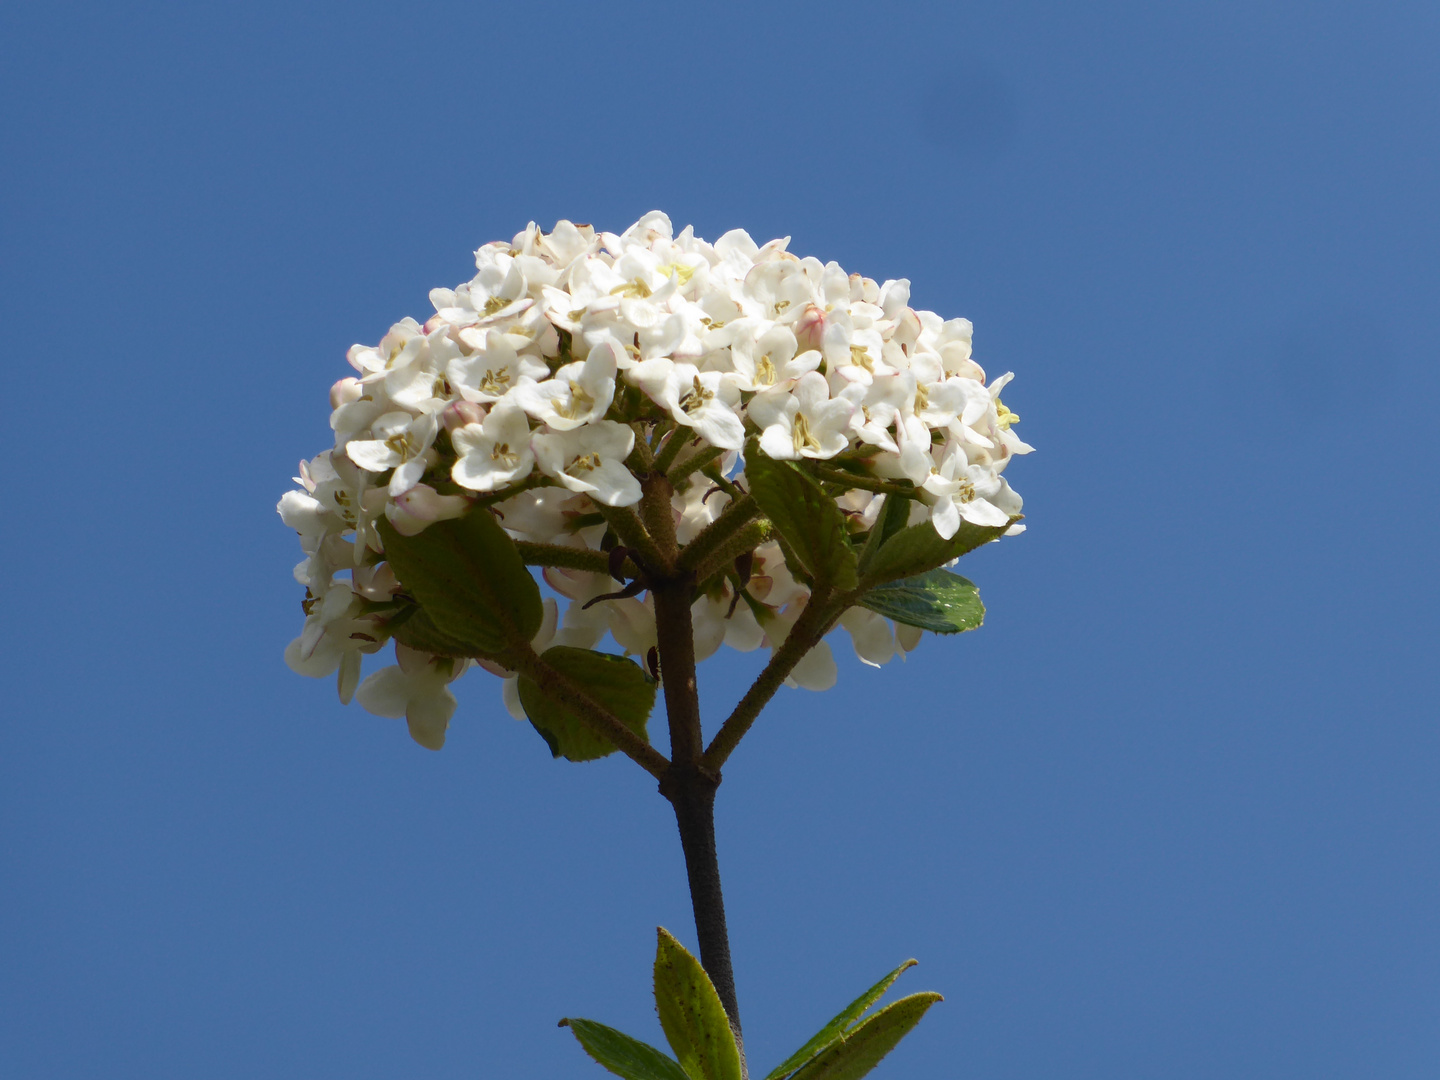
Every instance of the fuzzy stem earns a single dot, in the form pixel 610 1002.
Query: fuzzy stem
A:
pixel 814 622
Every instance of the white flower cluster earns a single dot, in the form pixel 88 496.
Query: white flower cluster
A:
pixel 531 383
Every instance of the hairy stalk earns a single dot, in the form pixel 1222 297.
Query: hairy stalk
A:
pixel 665 456
pixel 627 526
pixel 733 518
pixel 694 463
pixel 724 556
pixel 864 483
pixel 814 622
pixel 569 558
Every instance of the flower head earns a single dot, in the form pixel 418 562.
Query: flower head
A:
pixel 579 372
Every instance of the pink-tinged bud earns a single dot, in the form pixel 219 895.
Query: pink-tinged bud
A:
pixel 376 582
pixel 809 327
pixel 344 392
pixel 432 324
pixel 459 413
pixel 422 505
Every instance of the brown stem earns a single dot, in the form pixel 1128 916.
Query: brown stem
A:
pixel 688 786
pixel 691 792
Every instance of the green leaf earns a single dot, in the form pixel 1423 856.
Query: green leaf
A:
pixel 469 577
pixel 691 1014
pixel 622 1055
pixel 615 682
pixel 805 516
pixel 860 1049
pixel 416 629
pixel 918 548
pixel 894 513
pixel 836 1027
pixel 935 600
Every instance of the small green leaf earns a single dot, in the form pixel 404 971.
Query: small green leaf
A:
pixel 918 548
pixel 469 577
pixel 861 1049
pixel 805 516
pixel 836 1027
pixel 622 1055
pixel 691 1014
pixel 616 682
pixel 937 600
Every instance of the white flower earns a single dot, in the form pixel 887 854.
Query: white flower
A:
pixel 418 688
pixel 963 491
pixel 694 399
pixel 400 443
pixel 771 359
pixel 493 453
pixel 805 423
pixel 872 635
pixel 591 460
pixel 578 394
pixel 493 369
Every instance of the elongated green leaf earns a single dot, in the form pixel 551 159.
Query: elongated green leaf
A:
pixel 861 1049
pixel 622 1055
pixel 805 516
pixel 691 1014
pixel 836 1027
pixel 616 682
pixel 918 548
pixel 936 600
pixel 469 577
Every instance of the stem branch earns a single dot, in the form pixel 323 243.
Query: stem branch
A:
pixel 814 622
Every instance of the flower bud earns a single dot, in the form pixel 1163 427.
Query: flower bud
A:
pixel 422 505
pixel 809 327
pixel 459 413
pixel 345 391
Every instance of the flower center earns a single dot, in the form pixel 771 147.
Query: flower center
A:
pixel 860 357
pixel 503 454
pixel 697 398
pixel 1004 417
pixel 494 304
pixel 765 372
pixel 680 270
pixel 495 382
pixel 800 432
pixel 403 444
pixel 583 464
pixel 579 404
pixel 636 288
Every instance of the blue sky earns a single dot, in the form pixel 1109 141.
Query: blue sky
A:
pixel 1171 813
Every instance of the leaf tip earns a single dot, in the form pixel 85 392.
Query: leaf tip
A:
pixel 564 1022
